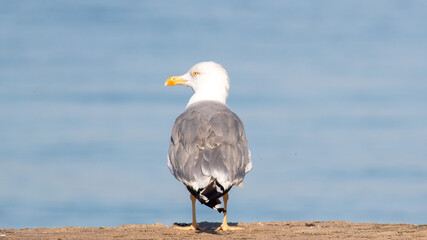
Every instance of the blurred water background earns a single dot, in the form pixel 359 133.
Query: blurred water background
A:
pixel 333 95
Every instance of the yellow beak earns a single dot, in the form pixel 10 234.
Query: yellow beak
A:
pixel 175 80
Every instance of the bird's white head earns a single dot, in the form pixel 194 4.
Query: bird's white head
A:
pixel 209 81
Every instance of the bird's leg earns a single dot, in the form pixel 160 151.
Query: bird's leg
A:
pixel 224 226
pixel 193 204
pixel 194 225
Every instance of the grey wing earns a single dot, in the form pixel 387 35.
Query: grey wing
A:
pixel 227 157
pixel 206 146
pixel 184 149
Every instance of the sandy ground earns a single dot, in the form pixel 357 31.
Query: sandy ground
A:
pixel 257 230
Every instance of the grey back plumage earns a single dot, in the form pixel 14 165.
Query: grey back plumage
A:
pixel 208 143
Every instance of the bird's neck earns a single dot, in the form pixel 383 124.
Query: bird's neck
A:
pixel 218 95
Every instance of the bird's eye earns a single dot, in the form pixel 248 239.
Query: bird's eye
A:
pixel 195 74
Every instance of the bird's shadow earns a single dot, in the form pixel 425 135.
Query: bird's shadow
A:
pixel 206 227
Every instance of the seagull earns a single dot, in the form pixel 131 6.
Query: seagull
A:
pixel 208 150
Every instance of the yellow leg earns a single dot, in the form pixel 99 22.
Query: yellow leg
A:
pixel 194 225
pixel 224 226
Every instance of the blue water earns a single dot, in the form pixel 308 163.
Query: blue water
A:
pixel 332 94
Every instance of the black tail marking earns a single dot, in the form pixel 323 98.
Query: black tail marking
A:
pixel 210 195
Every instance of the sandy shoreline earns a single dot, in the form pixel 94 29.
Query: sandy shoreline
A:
pixel 257 230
